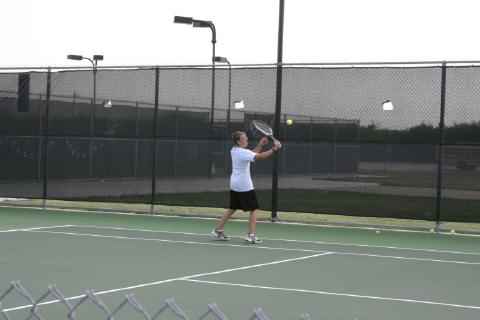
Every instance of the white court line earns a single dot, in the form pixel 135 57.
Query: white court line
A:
pixel 174 279
pixel 216 243
pixel 37 228
pixel 405 258
pixel 253 246
pixel 336 294
pixel 292 240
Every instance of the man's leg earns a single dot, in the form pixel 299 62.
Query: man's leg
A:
pixel 251 237
pixel 218 231
pixel 252 221
pixel 226 215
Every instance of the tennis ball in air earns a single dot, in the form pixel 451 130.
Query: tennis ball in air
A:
pixel 432 230
pixel 452 231
pixel 289 122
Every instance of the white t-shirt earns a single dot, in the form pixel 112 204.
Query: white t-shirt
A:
pixel 240 179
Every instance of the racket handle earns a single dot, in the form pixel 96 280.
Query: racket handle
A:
pixel 277 143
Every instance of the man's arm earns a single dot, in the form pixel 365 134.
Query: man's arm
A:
pixel 268 153
pixel 260 145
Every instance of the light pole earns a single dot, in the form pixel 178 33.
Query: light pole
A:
pixel 94 62
pixel 205 24
pixel 225 60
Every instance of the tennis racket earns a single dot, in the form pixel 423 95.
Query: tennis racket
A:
pixel 264 128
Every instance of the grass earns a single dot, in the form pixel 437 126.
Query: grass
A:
pixel 319 206
pixel 304 217
pixel 295 202
pixel 327 202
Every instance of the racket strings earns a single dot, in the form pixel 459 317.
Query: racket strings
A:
pixel 263 127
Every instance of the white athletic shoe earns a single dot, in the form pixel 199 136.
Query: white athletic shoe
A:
pixel 252 238
pixel 220 235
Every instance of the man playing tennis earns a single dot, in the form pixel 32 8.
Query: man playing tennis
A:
pixel 242 194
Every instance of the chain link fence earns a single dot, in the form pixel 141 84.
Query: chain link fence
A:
pixel 73 305
pixel 145 136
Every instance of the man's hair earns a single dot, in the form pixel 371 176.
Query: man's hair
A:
pixel 236 136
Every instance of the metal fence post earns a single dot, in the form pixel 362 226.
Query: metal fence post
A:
pixel 441 141
pixel 154 141
pixel 45 139
pixel 175 152
pixel 335 138
pixel 278 110
pixel 311 146
pixel 135 162
pixel 39 138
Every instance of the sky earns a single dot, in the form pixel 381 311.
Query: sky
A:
pixel 142 32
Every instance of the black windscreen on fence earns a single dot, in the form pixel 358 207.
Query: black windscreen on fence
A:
pixel 344 153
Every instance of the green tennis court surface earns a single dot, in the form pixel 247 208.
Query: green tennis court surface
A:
pixel 330 273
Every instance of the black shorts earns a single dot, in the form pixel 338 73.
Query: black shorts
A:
pixel 247 201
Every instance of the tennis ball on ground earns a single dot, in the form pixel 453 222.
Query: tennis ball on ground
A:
pixel 289 122
pixel 377 232
pixel 452 231
pixel 432 230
